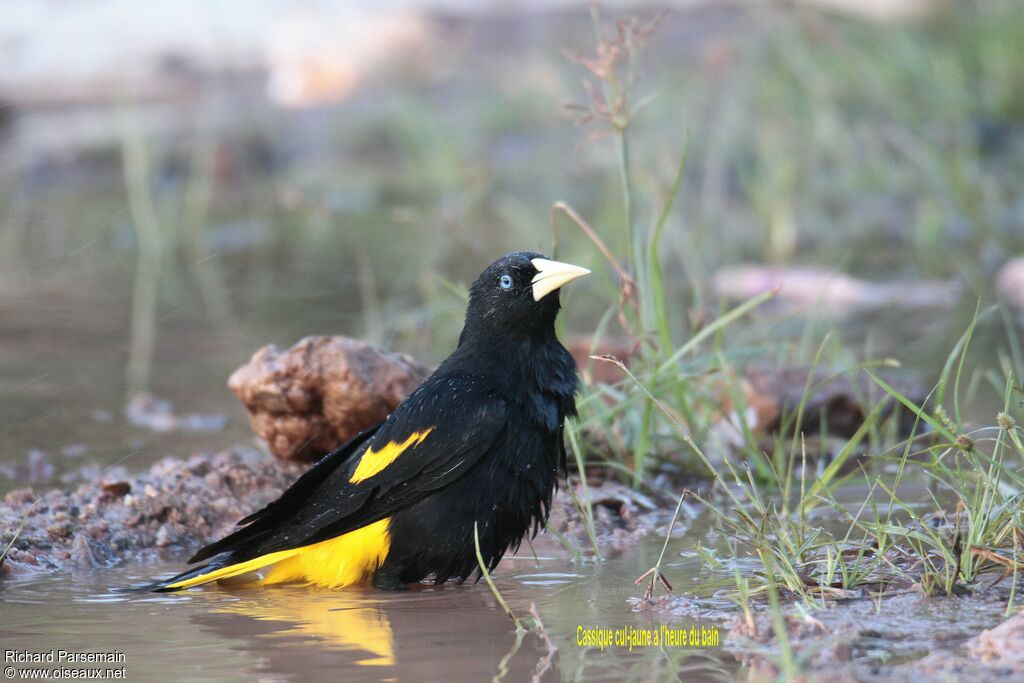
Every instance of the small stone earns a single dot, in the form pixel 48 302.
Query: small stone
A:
pixel 82 552
pixel 57 531
pixel 117 489
pixel 20 497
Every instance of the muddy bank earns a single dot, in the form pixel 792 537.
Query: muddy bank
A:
pixel 179 505
pixel 173 507
pixel 905 637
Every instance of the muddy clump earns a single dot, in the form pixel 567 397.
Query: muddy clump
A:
pixel 1002 645
pixel 318 394
pixel 996 654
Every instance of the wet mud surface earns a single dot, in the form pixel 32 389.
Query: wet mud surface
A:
pixel 906 636
pixel 174 506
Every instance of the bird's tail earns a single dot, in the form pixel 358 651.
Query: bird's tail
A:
pixel 214 571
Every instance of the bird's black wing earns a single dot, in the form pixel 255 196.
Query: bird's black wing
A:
pixel 314 476
pixel 300 490
pixel 433 438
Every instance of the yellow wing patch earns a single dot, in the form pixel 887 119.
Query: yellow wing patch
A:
pixel 373 461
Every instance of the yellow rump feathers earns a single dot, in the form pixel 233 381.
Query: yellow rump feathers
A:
pixel 334 563
pixel 233 570
pixel 373 461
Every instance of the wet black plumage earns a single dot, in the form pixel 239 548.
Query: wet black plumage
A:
pixel 480 441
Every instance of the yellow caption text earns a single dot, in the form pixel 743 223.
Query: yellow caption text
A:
pixel 629 637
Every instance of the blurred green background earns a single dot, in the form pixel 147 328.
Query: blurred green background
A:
pixel 182 183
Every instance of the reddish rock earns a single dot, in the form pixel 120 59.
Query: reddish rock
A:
pixel 117 489
pixel 310 399
pixel 772 393
pixel 82 553
pixel 595 371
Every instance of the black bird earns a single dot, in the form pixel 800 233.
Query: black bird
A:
pixel 478 443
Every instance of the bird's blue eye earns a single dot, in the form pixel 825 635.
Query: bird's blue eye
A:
pixel 505 281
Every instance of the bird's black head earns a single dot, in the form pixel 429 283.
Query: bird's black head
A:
pixel 516 298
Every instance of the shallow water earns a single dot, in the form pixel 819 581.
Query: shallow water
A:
pixel 457 633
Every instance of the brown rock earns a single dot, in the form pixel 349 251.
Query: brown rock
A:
pixel 595 371
pixel 163 536
pixel 117 489
pixel 310 399
pixel 996 654
pixel 82 552
pixel 770 393
pixel 20 496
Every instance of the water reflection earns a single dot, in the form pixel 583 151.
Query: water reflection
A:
pixel 346 623
pixel 451 633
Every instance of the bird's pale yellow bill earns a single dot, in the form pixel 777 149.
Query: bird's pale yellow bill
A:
pixel 553 274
